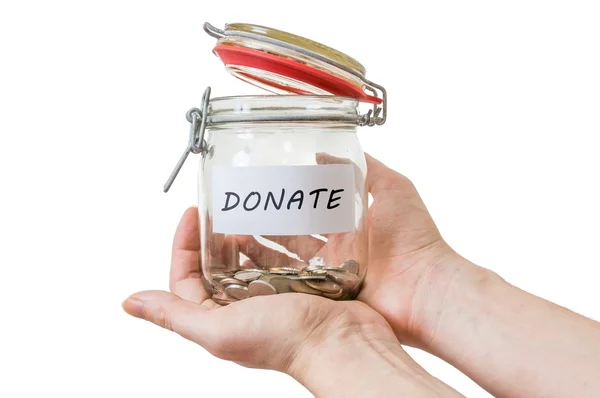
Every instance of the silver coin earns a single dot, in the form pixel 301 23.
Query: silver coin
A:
pixel 324 286
pixel 284 271
pixel 248 276
pixel 231 281
pixel 319 269
pixel 281 284
pixel 301 287
pixel 316 272
pixel 350 266
pixel 261 288
pixel 309 276
pixel 313 267
pixel 344 278
pixel 238 292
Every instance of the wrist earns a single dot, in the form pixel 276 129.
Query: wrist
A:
pixel 369 362
pixel 448 284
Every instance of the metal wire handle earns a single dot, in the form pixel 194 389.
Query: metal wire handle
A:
pixel 370 119
pixel 196 142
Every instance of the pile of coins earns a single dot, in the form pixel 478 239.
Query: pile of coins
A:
pixel 337 283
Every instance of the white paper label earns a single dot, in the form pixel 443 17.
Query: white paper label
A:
pixel 283 200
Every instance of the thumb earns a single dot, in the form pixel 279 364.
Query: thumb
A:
pixel 169 311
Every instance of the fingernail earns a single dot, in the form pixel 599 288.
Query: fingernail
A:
pixel 134 307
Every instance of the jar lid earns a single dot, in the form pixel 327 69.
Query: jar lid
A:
pixel 285 63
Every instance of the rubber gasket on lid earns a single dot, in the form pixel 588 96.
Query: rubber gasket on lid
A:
pixel 234 55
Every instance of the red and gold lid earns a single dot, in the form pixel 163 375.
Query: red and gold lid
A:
pixel 284 63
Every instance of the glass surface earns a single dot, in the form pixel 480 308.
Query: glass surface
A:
pixel 239 266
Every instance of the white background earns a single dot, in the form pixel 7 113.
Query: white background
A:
pixel 494 114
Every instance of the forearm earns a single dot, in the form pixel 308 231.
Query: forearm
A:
pixel 510 342
pixel 360 368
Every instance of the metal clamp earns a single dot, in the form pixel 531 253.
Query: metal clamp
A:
pixel 196 142
pixel 375 116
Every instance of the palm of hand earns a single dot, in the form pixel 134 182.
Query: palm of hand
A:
pixel 279 326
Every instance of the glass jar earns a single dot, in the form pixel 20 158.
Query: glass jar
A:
pixel 282 189
pixel 283 204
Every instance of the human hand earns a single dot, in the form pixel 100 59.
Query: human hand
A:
pixel 508 341
pixel 409 264
pixel 303 335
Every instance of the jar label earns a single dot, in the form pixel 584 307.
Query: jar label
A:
pixel 283 200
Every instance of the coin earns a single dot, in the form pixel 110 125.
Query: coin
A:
pixel 350 266
pixel 344 278
pixel 309 277
pixel 319 269
pixel 261 288
pixel 231 281
pixel 281 284
pixel 324 286
pixel 334 295
pixel 238 292
pixel 301 287
pixel 314 272
pixel 222 301
pixel 248 276
pixel 284 271
pixel 312 268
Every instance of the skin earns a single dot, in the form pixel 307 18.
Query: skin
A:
pixel 418 291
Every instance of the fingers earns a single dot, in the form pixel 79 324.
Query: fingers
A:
pixel 325 158
pixel 261 332
pixel 184 279
pixel 381 178
pixel 169 311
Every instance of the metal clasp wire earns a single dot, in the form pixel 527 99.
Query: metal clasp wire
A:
pixel 196 142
